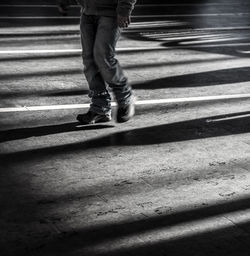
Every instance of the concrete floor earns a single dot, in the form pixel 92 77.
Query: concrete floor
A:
pixel 173 181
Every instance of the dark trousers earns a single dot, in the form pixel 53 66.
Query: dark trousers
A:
pixel 99 36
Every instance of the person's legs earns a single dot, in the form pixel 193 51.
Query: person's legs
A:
pixel 100 97
pixel 108 33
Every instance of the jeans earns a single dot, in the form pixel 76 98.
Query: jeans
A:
pixel 99 35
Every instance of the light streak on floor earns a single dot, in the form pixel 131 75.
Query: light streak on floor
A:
pixel 140 102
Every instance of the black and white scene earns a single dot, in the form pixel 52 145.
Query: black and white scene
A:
pixel 124 128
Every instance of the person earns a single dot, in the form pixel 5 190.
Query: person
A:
pixel 101 24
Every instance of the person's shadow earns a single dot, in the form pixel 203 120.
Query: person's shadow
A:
pixel 23 133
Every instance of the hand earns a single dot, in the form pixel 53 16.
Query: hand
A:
pixel 123 22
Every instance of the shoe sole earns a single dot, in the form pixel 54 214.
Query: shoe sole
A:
pixel 94 121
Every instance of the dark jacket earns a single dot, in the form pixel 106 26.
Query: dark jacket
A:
pixel 107 7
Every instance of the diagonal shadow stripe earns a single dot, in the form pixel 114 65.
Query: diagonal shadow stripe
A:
pixel 89 237
pixel 23 133
pixel 40 74
pixel 210 78
pixel 224 125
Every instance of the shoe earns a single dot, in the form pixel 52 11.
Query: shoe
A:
pixel 91 118
pixel 126 112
